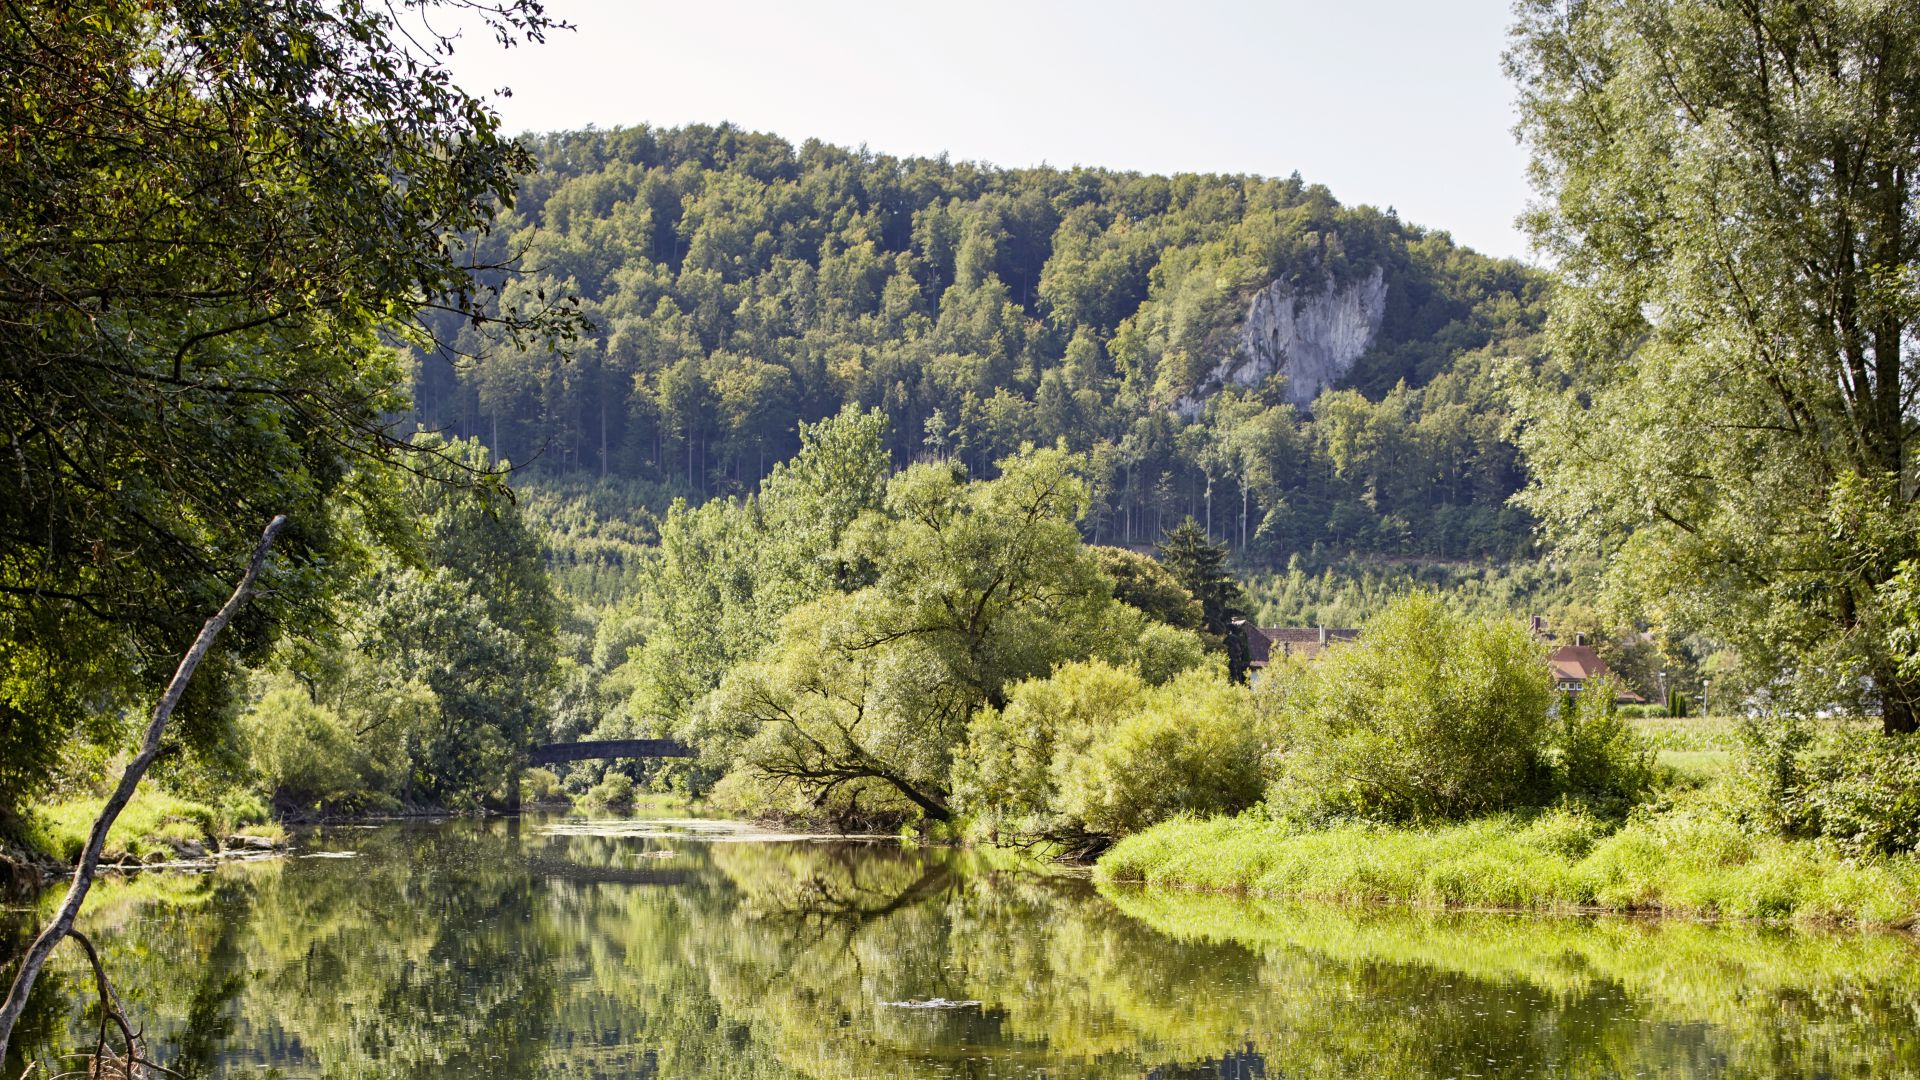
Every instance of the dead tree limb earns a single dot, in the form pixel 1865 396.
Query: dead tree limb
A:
pixel 62 923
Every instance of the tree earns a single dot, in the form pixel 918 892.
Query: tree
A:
pixel 1140 582
pixel 218 215
pixel 725 573
pixel 441 677
pixel 1200 566
pixel 975 585
pixel 61 925
pixel 1729 193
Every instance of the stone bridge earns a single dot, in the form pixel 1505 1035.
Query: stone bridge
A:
pixel 608 748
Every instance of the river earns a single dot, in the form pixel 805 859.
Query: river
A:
pixel 549 947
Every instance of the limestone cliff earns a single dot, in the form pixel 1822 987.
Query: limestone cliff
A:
pixel 1311 337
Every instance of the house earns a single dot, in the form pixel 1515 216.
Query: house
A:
pixel 1573 666
pixel 1266 642
pixel 1576 665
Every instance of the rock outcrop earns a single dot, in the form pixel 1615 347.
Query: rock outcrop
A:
pixel 1311 337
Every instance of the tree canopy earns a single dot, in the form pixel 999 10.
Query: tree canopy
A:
pixel 1730 192
pixel 221 220
pixel 737 283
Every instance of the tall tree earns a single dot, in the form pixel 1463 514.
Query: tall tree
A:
pixel 1729 191
pixel 217 213
pixel 1200 566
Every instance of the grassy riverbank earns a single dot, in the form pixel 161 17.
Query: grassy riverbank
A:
pixel 1690 860
pixel 154 827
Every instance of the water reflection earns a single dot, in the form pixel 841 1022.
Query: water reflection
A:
pixel 502 949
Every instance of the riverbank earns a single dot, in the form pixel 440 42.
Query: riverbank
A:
pixel 1688 861
pixel 154 828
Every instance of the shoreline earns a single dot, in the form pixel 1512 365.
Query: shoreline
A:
pixel 1675 865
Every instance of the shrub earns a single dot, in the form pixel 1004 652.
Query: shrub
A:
pixel 304 752
pixel 1191 748
pixel 539 785
pixel 1429 715
pixel 614 791
pixel 1597 757
pixel 1846 785
pixel 1094 752
pixel 1007 773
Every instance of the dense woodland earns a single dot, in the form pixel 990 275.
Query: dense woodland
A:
pixel 736 285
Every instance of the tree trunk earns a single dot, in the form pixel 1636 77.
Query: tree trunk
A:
pixel 63 917
pixel 1899 699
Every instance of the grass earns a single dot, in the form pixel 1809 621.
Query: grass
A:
pixel 1693 734
pixel 1689 860
pixel 152 827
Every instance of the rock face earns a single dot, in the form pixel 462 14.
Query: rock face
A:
pixel 1312 337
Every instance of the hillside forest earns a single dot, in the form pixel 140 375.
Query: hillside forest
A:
pixel 736 285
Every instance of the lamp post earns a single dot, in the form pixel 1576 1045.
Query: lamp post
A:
pixel 1666 700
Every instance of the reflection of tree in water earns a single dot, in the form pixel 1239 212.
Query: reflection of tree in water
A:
pixel 1245 1064
pixel 462 950
pixel 222 976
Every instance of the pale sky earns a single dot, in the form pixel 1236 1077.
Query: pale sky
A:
pixel 1390 102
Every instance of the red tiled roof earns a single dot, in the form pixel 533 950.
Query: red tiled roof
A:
pixel 1576 662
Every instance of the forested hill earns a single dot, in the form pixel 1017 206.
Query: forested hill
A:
pixel 1296 373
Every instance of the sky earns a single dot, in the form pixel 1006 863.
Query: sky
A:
pixel 1396 103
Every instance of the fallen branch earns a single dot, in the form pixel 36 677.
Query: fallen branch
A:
pixel 62 924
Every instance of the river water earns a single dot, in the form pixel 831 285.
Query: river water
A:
pixel 672 948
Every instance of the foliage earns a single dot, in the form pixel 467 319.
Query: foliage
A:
pixel 1142 582
pixel 1727 195
pixel 1095 751
pixel 1429 715
pixel 737 284
pixel 974 585
pixel 1597 756
pixel 540 785
pixel 308 756
pixel 615 792
pixel 1200 566
pixel 727 572
pixel 1837 783
pixel 205 244
pixel 1190 747
pixel 442 675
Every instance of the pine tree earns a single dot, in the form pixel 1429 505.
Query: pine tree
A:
pixel 1200 566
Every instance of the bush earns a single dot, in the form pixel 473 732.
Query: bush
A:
pixel 1428 716
pixel 1597 757
pixel 614 792
pixel 538 785
pixel 304 753
pixel 1848 786
pixel 1094 752
pixel 1190 748
pixel 1007 774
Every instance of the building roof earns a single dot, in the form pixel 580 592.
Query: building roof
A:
pixel 1577 662
pixel 1265 641
pixel 1581 662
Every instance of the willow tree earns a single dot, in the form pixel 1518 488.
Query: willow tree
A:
pixel 1728 192
pixel 221 219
